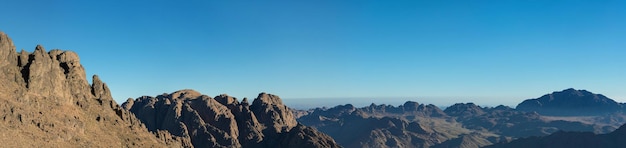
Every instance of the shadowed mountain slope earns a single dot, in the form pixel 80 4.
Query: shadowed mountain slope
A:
pixel 571 102
pixel 223 121
pixel 562 139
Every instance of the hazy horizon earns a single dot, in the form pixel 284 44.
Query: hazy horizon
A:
pixel 310 103
pixel 489 53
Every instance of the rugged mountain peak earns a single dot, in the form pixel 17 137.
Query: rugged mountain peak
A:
pixel 223 122
pixel 502 107
pixel 99 88
pixel 411 105
pixel 10 77
pixel 571 102
pixel 464 109
pixel 46 99
pixel 271 111
pixel 265 98
pixel 7 50
pixel 39 50
pixel 185 94
pixel 245 102
pixel 224 99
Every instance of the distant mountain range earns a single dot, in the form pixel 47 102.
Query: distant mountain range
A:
pixel 462 124
pixel 46 101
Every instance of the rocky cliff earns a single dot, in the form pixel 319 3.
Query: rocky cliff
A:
pixel 201 121
pixel 45 100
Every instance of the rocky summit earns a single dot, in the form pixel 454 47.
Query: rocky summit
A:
pixel 571 102
pixel 46 100
pixel 201 121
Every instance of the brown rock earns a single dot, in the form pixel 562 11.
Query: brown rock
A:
pixel 271 111
pixel 223 122
pixel 45 100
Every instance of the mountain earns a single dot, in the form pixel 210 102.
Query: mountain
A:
pixel 506 121
pixel 409 108
pixel 408 125
pixel 460 125
pixel 571 102
pixel 201 121
pixel 375 132
pixel 46 100
pixel 562 139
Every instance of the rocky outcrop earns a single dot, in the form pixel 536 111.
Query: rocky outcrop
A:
pixel 45 100
pixel 571 102
pixel 201 121
pixel 270 110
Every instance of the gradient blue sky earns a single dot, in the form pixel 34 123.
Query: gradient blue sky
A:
pixel 487 52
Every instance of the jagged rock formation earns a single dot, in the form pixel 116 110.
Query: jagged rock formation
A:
pixel 562 139
pixel 45 100
pixel 201 121
pixel 571 102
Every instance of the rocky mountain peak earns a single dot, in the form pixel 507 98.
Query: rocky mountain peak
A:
pixel 201 121
pixel 271 111
pixel 464 109
pixel 224 99
pixel 47 100
pixel 571 102
pixel 411 105
pixel 7 50
pixel 185 94
pixel 571 92
pixel 265 98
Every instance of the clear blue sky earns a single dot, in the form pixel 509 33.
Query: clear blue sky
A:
pixel 488 52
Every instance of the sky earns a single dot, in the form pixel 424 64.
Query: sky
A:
pixel 441 52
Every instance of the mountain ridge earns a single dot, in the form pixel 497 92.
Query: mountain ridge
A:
pixel 460 125
pixel 571 102
pixel 201 121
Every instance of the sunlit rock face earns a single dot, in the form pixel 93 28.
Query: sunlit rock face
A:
pixel 45 100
